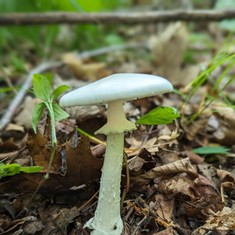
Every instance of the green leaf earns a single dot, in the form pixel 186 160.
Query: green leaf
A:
pixel 60 114
pixel 30 169
pixel 15 168
pixel 41 87
pixel 9 169
pixel 206 150
pixel 36 115
pixel 58 91
pixel 159 115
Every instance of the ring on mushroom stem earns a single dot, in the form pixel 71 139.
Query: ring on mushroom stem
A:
pixel 114 90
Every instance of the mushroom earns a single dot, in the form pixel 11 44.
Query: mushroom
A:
pixel 114 90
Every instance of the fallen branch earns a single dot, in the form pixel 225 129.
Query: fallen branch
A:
pixel 114 18
pixel 6 118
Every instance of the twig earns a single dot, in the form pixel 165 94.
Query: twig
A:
pixel 20 95
pixel 108 49
pixel 87 202
pixel 114 18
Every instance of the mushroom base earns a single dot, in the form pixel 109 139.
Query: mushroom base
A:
pixel 97 231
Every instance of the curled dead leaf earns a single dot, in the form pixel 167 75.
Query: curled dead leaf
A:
pixel 224 134
pixel 223 220
pixel 227 178
pixel 180 166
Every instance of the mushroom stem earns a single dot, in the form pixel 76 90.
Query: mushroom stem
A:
pixel 116 120
pixel 107 219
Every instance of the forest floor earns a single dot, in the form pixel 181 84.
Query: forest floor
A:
pixel 181 175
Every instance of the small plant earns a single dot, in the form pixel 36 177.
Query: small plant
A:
pixel 42 90
pixel 158 116
pixel 208 150
pixel 218 85
pixel 15 168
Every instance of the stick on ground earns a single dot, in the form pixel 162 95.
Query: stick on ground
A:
pixel 115 17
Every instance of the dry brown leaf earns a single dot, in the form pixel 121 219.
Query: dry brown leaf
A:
pixel 170 136
pixel 179 184
pixel 24 117
pixel 208 170
pixel 153 144
pixel 40 149
pixel 14 127
pixel 220 221
pixel 137 145
pixel 82 70
pixel 176 167
pixel 136 163
pixel 227 178
pixel 196 197
pixel 194 128
pixel 168 50
pixel 224 134
pixel 83 113
pixel 205 198
pixel 194 158
pixel 142 162
pixel 73 167
pixel 27 224
pixel 164 208
pixel 82 166
pixel 64 217
pixel 8 146
pixel 169 47
pixel 167 231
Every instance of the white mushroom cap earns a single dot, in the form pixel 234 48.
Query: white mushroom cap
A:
pixel 120 86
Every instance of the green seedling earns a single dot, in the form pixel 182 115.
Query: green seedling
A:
pixel 209 150
pixel 42 90
pixel 218 84
pixel 158 116
pixel 15 168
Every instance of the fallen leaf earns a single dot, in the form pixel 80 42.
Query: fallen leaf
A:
pixel 166 170
pixel 169 47
pixel 167 231
pixel 14 127
pixel 164 208
pixel 84 71
pixel 227 178
pixel 82 166
pixel 143 161
pixel 176 167
pixel 224 134
pixel 223 220
pixel 79 165
pixel 24 117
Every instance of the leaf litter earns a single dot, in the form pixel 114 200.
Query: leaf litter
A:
pixel 171 188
